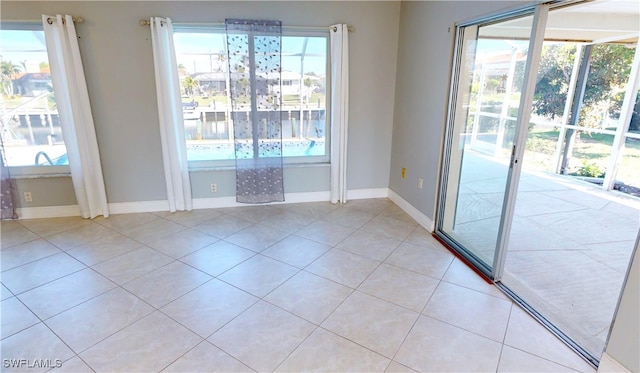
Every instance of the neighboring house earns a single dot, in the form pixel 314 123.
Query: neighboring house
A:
pixel 32 84
pixel 211 82
pixel 216 82
pixel 496 67
pixel 291 83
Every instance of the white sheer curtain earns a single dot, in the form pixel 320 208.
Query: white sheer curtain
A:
pixel 76 119
pixel 174 152
pixel 7 188
pixel 339 111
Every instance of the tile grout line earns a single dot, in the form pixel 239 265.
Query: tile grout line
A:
pixel 416 321
pixel 304 268
pixel 504 337
pixel 354 290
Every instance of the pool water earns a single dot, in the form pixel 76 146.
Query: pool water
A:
pixel 212 151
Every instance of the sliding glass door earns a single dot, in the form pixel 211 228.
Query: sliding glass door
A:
pixel 540 112
pixel 571 241
pixel 486 104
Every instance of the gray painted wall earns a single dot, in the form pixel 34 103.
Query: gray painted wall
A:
pixel 422 87
pixel 118 64
pixel 46 192
pixel 624 341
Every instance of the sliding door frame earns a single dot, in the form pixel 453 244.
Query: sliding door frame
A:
pixel 447 145
pixel 522 131
pixel 539 12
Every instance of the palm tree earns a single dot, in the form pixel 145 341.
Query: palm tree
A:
pixel 308 83
pixel 182 70
pixel 189 85
pixel 9 72
pixel 221 59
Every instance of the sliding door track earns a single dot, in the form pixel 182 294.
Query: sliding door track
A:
pixel 549 325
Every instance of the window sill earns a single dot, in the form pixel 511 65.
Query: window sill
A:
pixel 40 176
pixel 39 172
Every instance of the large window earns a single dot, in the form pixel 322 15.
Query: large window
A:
pixel 29 117
pixel 202 66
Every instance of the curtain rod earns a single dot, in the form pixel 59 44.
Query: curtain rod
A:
pixel 34 21
pixel 75 20
pixel 146 22
pixel 349 27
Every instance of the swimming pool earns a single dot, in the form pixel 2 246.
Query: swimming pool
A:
pixel 212 150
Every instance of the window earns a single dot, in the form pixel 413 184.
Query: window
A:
pixel 29 118
pixel 202 66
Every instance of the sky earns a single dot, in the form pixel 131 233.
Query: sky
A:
pixel 21 45
pixel 199 52
pixel 196 51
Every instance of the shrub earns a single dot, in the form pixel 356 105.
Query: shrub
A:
pixel 590 169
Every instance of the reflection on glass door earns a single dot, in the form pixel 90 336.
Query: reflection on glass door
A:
pixel 486 108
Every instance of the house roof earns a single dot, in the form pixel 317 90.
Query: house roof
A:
pixel 33 76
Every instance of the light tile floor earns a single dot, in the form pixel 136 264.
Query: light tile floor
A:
pixel 294 287
pixel 570 244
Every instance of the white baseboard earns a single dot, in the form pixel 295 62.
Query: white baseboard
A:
pixel 306 197
pixel 367 193
pixel 48 212
pixel 137 207
pixel 230 201
pixel 198 203
pixel 210 203
pixel 611 365
pixel 74 210
pixel 416 214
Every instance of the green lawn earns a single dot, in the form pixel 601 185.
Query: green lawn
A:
pixel 206 101
pixel 590 150
pixel 15 101
pixel 295 99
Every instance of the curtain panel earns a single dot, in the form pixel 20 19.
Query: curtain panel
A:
pixel 76 119
pixel 172 137
pixel 339 39
pixel 7 187
pixel 254 64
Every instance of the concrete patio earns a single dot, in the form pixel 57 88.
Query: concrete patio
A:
pixel 569 247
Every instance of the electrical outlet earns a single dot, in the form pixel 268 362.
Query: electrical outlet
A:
pixel 28 197
pixel 420 182
pixel 404 172
pixel 214 188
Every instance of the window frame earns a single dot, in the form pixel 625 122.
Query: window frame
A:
pixel 18 172
pixel 197 165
